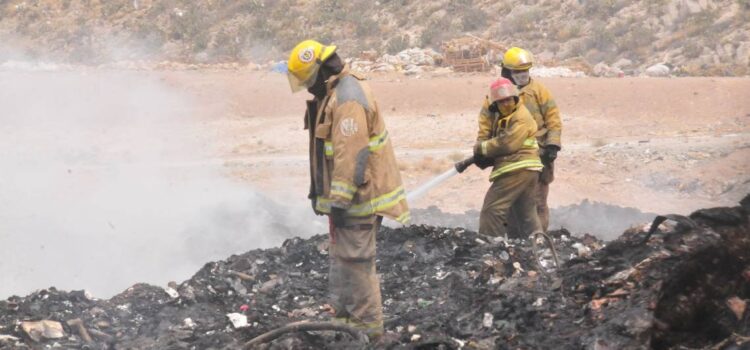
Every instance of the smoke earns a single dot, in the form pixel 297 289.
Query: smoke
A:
pixel 104 182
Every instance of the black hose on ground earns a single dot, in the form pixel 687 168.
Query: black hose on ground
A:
pixel 304 326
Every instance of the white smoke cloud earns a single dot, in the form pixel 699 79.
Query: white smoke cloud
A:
pixel 104 183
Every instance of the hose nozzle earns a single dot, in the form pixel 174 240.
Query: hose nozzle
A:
pixel 462 165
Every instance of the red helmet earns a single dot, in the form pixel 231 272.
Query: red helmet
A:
pixel 501 89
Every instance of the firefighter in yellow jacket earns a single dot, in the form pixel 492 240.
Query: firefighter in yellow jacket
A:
pixel 506 140
pixel 538 100
pixel 354 177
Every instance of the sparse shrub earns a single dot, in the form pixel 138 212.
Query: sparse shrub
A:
pixel 569 31
pixel 149 35
pixel 111 7
pixel 638 38
pixel 367 27
pixel 524 21
pixel 692 49
pixel 473 18
pixel 432 35
pixel 657 8
pixel 699 22
pixel 397 44
pixel 200 41
pixel 600 38
pixel 332 11
pixel 576 48
pixel 621 28
pixel 602 8
pixel 743 15
pixel 227 44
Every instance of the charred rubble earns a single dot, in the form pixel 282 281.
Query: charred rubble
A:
pixel 683 285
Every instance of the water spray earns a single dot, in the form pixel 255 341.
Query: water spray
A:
pixel 456 169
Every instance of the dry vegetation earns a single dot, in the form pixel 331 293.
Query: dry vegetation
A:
pixel 696 37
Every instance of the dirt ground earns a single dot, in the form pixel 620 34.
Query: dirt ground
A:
pixel 659 145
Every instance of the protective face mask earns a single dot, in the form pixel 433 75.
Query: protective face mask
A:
pixel 506 108
pixel 521 78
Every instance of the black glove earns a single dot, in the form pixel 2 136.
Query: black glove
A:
pixel 480 160
pixel 338 216
pixel 483 162
pixel 550 153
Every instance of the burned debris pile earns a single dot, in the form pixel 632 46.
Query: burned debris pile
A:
pixel 685 284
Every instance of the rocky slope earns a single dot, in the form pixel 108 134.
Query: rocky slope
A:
pixel 695 37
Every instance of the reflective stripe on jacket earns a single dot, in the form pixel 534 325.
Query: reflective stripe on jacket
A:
pixel 538 100
pixel 510 141
pixel 359 172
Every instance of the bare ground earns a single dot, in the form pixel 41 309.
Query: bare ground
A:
pixel 660 145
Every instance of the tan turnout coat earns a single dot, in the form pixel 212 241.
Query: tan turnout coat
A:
pixel 509 140
pixel 352 163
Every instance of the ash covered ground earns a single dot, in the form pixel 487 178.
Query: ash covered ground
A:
pixel 684 286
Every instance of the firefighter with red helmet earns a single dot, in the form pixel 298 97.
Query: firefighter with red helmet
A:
pixel 507 141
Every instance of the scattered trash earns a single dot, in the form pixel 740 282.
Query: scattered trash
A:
pixel 45 329
pixel 238 320
pixel 439 285
pixel 487 320
pixel 279 67
pixel 188 323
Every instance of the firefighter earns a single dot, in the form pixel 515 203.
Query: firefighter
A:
pixel 506 140
pixel 354 177
pixel 539 102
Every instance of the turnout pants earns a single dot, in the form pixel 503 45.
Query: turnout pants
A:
pixel 540 197
pixel 353 282
pixel 516 191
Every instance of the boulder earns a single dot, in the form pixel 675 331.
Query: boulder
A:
pixel 601 69
pixel 658 70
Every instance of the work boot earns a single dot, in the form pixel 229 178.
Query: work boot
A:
pixel 373 330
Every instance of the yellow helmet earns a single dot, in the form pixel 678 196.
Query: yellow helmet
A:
pixel 517 58
pixel 305 61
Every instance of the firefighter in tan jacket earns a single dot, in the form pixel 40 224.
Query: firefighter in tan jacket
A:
pixel 354 177
pixel 538 100
pixel 506 140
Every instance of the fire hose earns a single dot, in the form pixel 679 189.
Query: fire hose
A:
pixel 305 326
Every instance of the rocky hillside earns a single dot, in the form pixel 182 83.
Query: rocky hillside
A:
pixel 696 37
